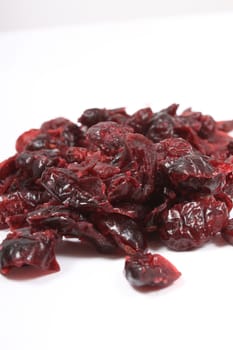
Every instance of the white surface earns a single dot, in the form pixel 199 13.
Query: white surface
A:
pixel 16 14
pixel 89 304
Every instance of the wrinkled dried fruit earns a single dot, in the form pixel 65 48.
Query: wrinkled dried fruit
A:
pixel 118 181
pixel 150 270
pixel 190 224
pixel 22 248
pixel 227 232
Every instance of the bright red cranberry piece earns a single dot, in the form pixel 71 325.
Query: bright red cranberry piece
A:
pixel 150 270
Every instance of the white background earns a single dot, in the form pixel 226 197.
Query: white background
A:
pixel 17 14
pixel 89 304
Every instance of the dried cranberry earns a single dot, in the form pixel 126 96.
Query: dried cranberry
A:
pixel 123 230
pixel 23 248
pixel 162 127
pixel 189 225
pixel 95 115
pixel 7 167
pixel 86 193
pixel 140 120
pixel 68 223
pixel 150 270
pixel 107 136
pixel 227 232
pixel 118 181
pixel 24 139
pixel 193 173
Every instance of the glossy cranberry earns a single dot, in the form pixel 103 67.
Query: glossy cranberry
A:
pixel 227 232
pixel 189 225
pixel 118 182
pixel 23 248
pixel 150 270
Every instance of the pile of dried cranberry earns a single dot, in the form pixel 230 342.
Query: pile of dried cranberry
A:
pixel 118 181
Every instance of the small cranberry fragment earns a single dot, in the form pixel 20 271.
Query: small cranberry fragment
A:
pixel 24 139
pixel 7 167
pixel 227 232
pixel 23 248
pixel 67 222
pixel 123 230
pixel 150 270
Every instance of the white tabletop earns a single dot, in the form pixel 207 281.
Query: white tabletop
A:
pixel 89 304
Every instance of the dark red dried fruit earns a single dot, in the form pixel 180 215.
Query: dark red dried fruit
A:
pixel 189 225
pixel 150 270
pixel 227 232
pixel 118 181
pixel 193 173
pixel 23 248
pixel 123 230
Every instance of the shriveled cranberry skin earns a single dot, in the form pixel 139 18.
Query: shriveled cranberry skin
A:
pixel 193 172
pixel 24 139
pixel 84 193
pixel 189 225
pixel 162 127
pixel 10 205
pixel 67 222
pixel 34 163
pixel 56 133
pixel 7 167
pixel 23 248
pixel 227 232
pixel 150 270
pixel 116 181
pixel 140 120
pixel 107 136
pixel 123 230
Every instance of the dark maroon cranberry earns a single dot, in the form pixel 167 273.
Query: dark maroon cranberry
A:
pixel 150 270
pixel 162 127
pixel 95 115
pixel 227 232
pixel 207 126
pixel 193 172
pixel 107 136
pixel 7 167
pixel 75 154
pixel 142 167
pixel 54 124
pixel 171 149
pixel 23 248
pixel 11 204
pixel 56 133
pixel 24 139
pixel 117 181
pixel 92 116
pixel 171 110
pixel 189 225
pixel 16 221
pixel 68 223
pixel 34 163
pixel 142 152
pixel 123 230
pixel 81 193
pixel 140 120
